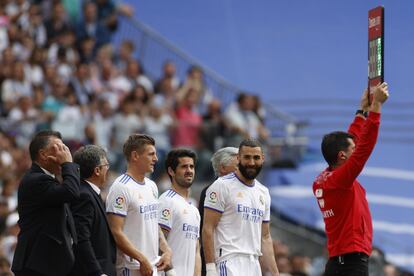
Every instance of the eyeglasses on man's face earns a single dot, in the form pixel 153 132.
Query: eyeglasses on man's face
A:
pixel 104 165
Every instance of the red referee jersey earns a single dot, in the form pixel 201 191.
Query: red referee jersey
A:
pixel 342 199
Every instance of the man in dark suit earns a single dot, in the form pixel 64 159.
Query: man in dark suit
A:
pixel 95 253
pixel 47 231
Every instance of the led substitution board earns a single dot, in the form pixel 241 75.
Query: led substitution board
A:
pixel 375 47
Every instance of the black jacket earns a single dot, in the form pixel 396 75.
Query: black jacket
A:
pixel 47 230
pixel 95 252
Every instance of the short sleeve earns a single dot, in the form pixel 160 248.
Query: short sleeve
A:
pixel 215 197
pixel 117 201
pixel 266 217
pixel 165 218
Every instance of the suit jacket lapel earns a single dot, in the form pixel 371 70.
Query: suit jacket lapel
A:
pixel 98 200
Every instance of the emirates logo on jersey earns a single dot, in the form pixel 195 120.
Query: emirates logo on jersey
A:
pixel 212 197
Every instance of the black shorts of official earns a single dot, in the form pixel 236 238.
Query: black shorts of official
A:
pixel 350 264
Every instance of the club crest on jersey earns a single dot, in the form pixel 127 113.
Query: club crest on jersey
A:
pixel 212 197
pixel 119 202
pixel 261 199
pixel 166 213
pixel 240 194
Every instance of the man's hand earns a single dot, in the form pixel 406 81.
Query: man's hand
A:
pixel 381 93
pixel 165 261
pixel 145 267
pixel 379 97
pixel 61 154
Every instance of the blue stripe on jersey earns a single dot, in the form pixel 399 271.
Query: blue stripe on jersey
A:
pixel 123 177
pixel 164 226
pixel 265 221
pixel 125 180
pixel 221 212
pixel 171 193
pixel 112 213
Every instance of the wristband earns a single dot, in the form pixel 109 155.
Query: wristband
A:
pixel 211 266
pixel 362 112
pixel 170 272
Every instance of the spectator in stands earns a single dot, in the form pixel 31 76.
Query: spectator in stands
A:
pixel 391 270
pixel 87 48
pixel 169 75
pixel 104 123
pixel 125 123
pixel 57 23
pixel 125 54
pixel 243 122
pixel 15 87
pixel 188 122
pixel 90 26
pixel 341 198
pixel 33 69
pixel 300 265
pixel 213 128
pixel 9 241
pixel 81 83
pixel 376 262
pixel 23 120
pixel 108 11
pixel 158 124
pixel 33 25
pixel 195 81
pixel 186 132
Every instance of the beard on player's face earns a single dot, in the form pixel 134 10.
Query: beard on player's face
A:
pixel 250 172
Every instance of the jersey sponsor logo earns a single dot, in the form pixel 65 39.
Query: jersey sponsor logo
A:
pixel 149 211
pixel 119 202
pixel 318 193
pixel 250 213
pixel 191 231
pixel 212 197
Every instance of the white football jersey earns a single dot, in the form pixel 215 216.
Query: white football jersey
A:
pixel 182 219
pixel 138 203
pixel 244 208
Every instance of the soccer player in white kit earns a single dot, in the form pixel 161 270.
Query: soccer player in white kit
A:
pixel 179 219
pixel 132 208
pixel 236 227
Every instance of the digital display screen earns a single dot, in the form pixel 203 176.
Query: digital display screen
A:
pixel 375 58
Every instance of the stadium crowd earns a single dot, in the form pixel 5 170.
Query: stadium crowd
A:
pixel 60 71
